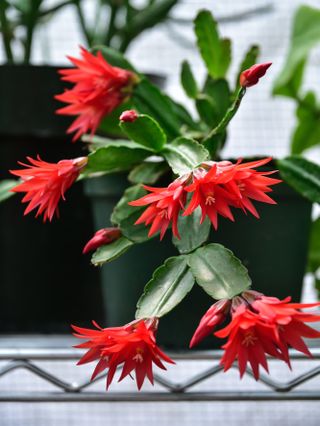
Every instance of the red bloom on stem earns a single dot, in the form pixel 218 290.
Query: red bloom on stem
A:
pixel 263 325
pixel 133 346
pixel 129 116
pixel 164 207
pixel 45 183
pixel 99 89
pixel 217 186
pixel 214 316
pixel 251 76
pixel 101 238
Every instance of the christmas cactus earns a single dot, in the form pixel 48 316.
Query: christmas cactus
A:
pixel 151 137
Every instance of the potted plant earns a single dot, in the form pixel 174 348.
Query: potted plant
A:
pixel 29 126
pixel 198 188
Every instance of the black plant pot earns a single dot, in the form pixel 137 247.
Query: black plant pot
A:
pixel 45 281
pixel 273 248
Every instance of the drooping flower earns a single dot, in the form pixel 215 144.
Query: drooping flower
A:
pixel 102 237
pixel 45 183
pixel 251 76
pixel 217 186
pixel 98 89
pixel 214 316
pixel 133 346
pixel 164 205
pixel 263 325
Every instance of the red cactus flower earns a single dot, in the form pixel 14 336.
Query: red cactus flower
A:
pixel 251 76
pixel 45 183
pixel 164 207
pixel 263 325
pixel 129 116
pixel 214 316
pixel 99 89
pixel 217 186
pixel 101 238
pixel 133 346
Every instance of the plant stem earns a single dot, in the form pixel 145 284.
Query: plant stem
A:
pixel 6 37
pixel 82 22
pixel 111 27
pixel 228 115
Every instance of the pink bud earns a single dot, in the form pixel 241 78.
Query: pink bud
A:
pixel 129 116
pixel 102 237
pixel 213 317
pixel 251 76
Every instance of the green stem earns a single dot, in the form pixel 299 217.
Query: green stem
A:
pixel 82 22
pixel 221 127
pixel 111 27
pixel 6 37
pixel 55 8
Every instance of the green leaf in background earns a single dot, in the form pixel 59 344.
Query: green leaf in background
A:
pixel 110 123
pixel 115 156
pixel 125 216
pixel 148 99
pixel 188 81
pixel 168 286
pixel 145 131
pixel 307 132
pixel 314 247
pixel 183 155
pixel 219 92
pixel 249 59
pixel 192 234
pixel 219 272
pixel 302 175
pixel 305 35
pixel 215 52
pixel 207 110
pixel 5 186
pixel 215 143
pixel 148 172
pixel 111 251
pixel 113 57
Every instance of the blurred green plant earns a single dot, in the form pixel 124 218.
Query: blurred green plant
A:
pixel 304 37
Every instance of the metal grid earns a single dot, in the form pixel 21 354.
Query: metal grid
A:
pixel 68 391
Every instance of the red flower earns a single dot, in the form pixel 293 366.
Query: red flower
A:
pixel 133 346
pixel 251 76
pixel 217 186
pixel 164 207
pixel 214 316
pixel 102 237
pixel 45 183
pixel 99 89
pixel 129 116
pixel 263 325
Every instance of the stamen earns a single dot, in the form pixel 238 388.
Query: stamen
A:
pixel 249 339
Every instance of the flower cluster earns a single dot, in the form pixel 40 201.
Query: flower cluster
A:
pixel 215 187
pixel 133 346
pixel 45 183
pixel 259 325
pixel 98 89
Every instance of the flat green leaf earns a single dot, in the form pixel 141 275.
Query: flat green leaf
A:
pixel 250 58
pixel 219 272
pixel 215 143
pixel 183 155
pixel 207 110
pixel 111 251
pixel 305 35
pixel 314 247
pixel 307 132
pixel 115 156
pixel 168 286
pixel 125 216
pixel 302 175
pixel 188 81
pixel 5 186
pixel 148 172
pixel 145 131
pixel 149 99
pixel 215 52
pixel 192 234
pixel 114 57
pixel 110 123
pixel 219 93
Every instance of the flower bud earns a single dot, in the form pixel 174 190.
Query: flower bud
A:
pixel 129 116
pixel 101 238
pixel 251 76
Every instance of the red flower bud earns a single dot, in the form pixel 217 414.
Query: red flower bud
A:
pixel 129 116
pixel 101 238
pixel 251 76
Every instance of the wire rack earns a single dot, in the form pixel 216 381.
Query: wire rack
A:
pixel 14 359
